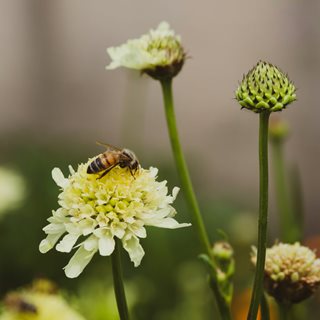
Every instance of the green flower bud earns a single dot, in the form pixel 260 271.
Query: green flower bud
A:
pixel 222 251
pixel 225 267
pixel 278 130
pixel 292 272
pixel 265 87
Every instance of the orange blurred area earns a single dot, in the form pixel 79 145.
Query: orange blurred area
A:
pixel 313 243
pixel 240 306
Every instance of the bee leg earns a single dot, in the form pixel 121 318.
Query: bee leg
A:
pixel 106 171
pixel 132 174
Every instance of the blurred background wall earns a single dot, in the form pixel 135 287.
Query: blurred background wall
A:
pixel 54 88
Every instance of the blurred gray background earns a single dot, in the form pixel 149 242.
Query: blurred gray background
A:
pixel 54 86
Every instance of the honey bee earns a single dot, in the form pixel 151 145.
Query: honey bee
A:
pixel 113 157
pixel 19 304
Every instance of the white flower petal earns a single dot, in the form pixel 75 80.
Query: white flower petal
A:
pixel 71 170
pixel 118 229
pixel 54 228
pixel 146 53
pixel 87 226
pixel 138 231
pixel 169 223
pixel 91 243
pixel 175 192
pixel 153 172
pixel 78 262
pixel 156 215
pixel 135 250
pixel 59 178
pixel 49 242
pixel 106 245
pixel 67 243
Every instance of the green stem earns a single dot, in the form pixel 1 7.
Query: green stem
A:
pixel 289 230
pixel 263 216
pixel 265 313
pixel 284 311
pixel 187 187
pixel 297 201
pixel 118 282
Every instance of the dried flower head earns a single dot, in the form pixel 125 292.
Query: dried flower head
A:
pixel 265 87
pixel 95 211
pixel 292 272
pixel 158 53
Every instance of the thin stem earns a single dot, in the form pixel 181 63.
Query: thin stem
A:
pixel 265 313
pixel 263 216
pixel 182 166
pixel 187 187
pixel 289 230
pixel 118 282
pixel 284 311
pixel 297 201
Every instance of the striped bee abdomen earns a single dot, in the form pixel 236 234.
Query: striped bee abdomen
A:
pixel 96 166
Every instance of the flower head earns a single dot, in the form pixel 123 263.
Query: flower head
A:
pixel 158 53
pixel 265 87
pixel 95 211
pixel 12 189
pixel 292 272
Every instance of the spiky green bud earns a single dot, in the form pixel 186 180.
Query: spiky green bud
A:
pixel 292 272
pixel 265 87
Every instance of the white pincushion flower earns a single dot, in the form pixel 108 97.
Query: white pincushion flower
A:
pixel 158 53
pixel 12 189
pixel 94 211
pixel 292 272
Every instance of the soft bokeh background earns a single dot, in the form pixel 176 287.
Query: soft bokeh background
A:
pixel 57 99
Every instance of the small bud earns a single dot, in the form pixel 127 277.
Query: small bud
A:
pixel 278 130
pixel 265 87
pixel 222 251
pixel 292 272
pixel 225 267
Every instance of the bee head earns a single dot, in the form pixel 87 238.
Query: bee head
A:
pixel 134 163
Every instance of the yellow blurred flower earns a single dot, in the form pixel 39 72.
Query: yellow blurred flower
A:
pixel 12 189
pixel 37 305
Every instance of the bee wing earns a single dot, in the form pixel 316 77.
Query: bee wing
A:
pixel 109 147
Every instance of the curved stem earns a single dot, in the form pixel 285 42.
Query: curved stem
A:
pixel 191 199
pixel 182 166
pixel 263 216
pixel 118 282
